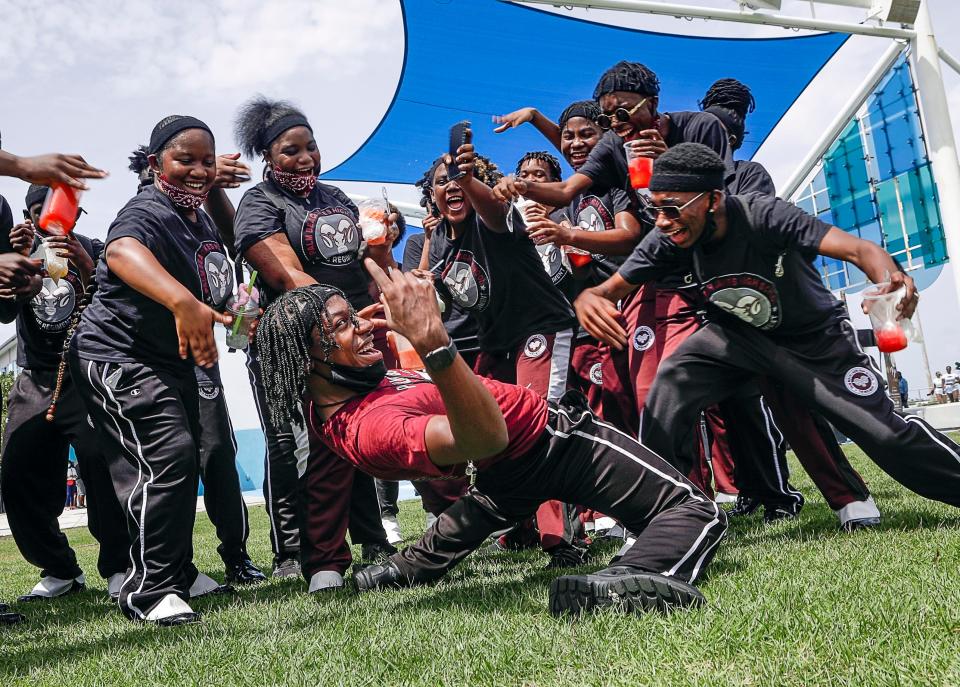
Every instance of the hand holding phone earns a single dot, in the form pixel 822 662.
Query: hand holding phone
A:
pixel 459 135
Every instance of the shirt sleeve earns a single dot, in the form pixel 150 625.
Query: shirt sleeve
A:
pixel 6 225
pixel 96 249
pixel 752 177
pixel 399 442
pixel 619 201
pixel 707 129
pixel 138 224
pixel 412 251
pixel 650 260
pixel 600 166
pixel 786 225
pixel 257 218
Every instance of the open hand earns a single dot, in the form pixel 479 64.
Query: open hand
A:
pixel 195 322
pixel 600 317
pixel 57 168
pixel 514 119
pixel 230 171
pixel 410 307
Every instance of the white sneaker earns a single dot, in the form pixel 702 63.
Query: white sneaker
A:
pixel 725 498
pixel 326 580
pixel 169 606
pixel 430 519
pixel 114 584
pixel 52 587
pixel 204 584
pixel 604 523
pixel 392 527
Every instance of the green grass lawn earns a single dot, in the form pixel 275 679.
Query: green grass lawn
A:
pixel 795 603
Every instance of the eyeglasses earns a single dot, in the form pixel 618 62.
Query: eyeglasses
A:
pixel 621 114
pixel 671 212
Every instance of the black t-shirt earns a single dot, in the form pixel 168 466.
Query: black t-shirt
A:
pixel 122 324
pixel 44 320
pixel 500 280
pixel 6 225
pixel 321 228
pixel 750 177
pixel 461 327
pixel 412 251
pixel 556 264
pixel 596 210
pixel 760 272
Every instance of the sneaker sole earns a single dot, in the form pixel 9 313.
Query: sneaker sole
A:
pixel 641 593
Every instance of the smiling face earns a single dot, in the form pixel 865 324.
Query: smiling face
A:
pixel 687 229
pixel 578 138
pixel 295 151
pixel 353 337
pixel 643 118
pixel 536 170
pixel 189 161
pixel 449 197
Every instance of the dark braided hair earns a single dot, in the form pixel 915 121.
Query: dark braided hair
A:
pixel 484 169
pixel 140 166
pixel 553 164
pixel 630 77
pixel 284 339
pixel 731 94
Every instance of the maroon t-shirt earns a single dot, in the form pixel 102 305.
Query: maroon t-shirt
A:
pixel 383 432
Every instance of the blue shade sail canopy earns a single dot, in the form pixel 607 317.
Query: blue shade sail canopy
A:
pixel 472 59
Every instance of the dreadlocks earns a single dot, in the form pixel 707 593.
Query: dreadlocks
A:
pixel 553 164
pixel 138 160
pixel 484 169
pixel 631 77
pixel 731 94
pixel 284 338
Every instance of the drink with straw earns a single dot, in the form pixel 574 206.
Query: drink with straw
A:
pixel 245 308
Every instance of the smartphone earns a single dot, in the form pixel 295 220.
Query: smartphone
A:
pixel 458 136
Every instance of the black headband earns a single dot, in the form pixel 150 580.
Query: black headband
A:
pixel 688 167
pixel 588 109
pixel 162 134
pixel 287 121
pixel 35 194
pixel 688 181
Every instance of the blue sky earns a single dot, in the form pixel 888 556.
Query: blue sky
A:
pixel 95 77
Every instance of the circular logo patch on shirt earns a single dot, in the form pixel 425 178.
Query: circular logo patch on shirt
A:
pixel 860 381
pixel 596 373
pixel 330 235
pixel 215 272
pixel 536 346
pixel 553 260
pixel 54 304
pixel 467 281
pixel 209 391
pixel 643 338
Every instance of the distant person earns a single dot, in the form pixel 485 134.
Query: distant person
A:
pixel 72 490
pixel 902 386
pixel 951 385
pixel 937 389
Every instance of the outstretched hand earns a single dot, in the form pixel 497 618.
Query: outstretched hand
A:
pixel 230 171
pixel 57 168
pixel 410 307
pixel 514 119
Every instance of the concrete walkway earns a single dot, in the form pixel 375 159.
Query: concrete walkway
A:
pixel 78 518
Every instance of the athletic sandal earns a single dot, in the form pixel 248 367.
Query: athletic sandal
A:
pixel 385 576
pixel 624 589
pixel 52 587
pixel 326 581
pixel 114 583
pixel 205 585
pixel 172 611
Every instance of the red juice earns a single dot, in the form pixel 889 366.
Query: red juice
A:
pixel 579 259
pixel 640 170
pixel 59 214
pixel 891 339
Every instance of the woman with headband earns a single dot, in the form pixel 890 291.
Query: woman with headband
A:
pixel 132 360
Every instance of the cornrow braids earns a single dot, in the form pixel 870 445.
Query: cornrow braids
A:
pixel 284 339
pixel 731 94
pixel 553 164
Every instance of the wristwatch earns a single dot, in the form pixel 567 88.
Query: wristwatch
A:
pixel 440 358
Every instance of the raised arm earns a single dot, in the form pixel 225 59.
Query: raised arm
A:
pixel 473 426
pixel 553 193
pixel 542 123
pixel 277 263
pixel 47 170
pixel 492 211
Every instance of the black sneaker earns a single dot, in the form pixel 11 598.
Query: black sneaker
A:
pixel 860 524
pixel 288 566
pixel 375 553
pixel 10 618
pixel 776 513
pixel 745 505
pixel 622 588
pixel 385 576
pixel 566 556
pixel 178 619
pixel 244 572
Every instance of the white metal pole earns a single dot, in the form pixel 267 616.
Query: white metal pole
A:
pixel 840 122
pixel 935 116
pixel 671 9
pixel 951 61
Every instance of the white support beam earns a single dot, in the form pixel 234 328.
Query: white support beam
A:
pixel 840 122
pixel 671 9
pixel 951 61
pixel 935 116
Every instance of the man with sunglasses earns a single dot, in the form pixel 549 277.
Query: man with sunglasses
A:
pixel 768 314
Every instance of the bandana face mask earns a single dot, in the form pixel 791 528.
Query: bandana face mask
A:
pixel 180 198
pixel 293 182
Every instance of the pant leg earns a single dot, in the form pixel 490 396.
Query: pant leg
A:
pixel 586 372
pixel 815 445
pixel 281 481
pixel 388 491
pixel 365 524
pixel 619 404
pixel 832 375
pixel 721 457
pixel 147 422
pixel 33 472
pixel 437 495
pixel 221 482
pixel 325 493
pixel 105 515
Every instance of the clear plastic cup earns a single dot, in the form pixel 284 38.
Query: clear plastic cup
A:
pixel 639 166
pixel 54 263
pixel 245 310
pixel 891 331
pixel 374 214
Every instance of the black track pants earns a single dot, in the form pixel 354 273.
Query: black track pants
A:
pixel 148 423
pixel 33 473
pixel 828 372
pixel 218 471
pixel 586 461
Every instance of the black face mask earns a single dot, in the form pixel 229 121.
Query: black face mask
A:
pixel 359 379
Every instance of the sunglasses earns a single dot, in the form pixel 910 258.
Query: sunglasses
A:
pixel 671 212
pixel 621 114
